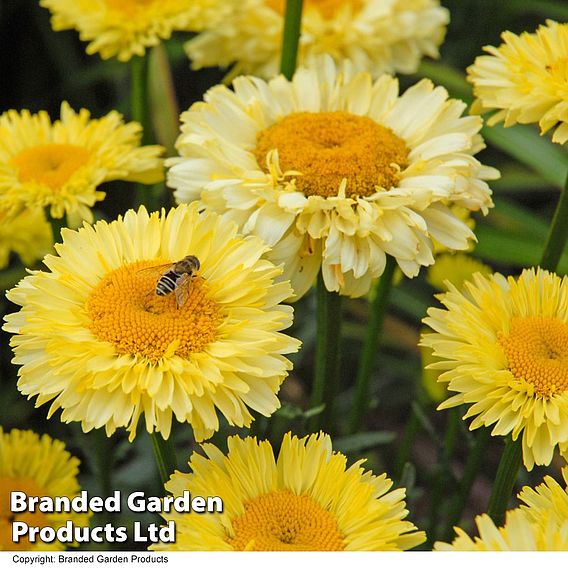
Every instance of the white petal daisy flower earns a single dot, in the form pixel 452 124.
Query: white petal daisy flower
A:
pixel 335 171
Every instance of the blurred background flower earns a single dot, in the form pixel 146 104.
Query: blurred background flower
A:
pixel 123 28
pixel 376 35
pixel 39 466
pixel 27 234
pixel 524 80
pixel 59 165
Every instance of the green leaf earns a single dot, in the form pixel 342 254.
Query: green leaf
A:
pixel 556 10
pixel 163 102
pixel 314 411
pixel 512 218
pixel 528 147
pixel 408 477
pixel 363 441
pixel 517 179
pixel 512 249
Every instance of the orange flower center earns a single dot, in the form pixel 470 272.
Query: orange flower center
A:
pixel 537 352
pixel 283 521
pixel 125 310
pixel 36 519
pixel 329 147
pixel 49 164
pixel 326 8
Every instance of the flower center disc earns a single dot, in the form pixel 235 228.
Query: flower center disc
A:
pixel 537 351
pixel 327 8
pixel 36 519
pixel 281 520
pixel 328 147
pixel 50 164
pixel 125 310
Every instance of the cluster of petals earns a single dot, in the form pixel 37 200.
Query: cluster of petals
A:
pixel 525 80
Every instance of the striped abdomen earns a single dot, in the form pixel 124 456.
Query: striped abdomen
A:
pixel 167 282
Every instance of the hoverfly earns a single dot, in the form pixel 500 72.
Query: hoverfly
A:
pixel 176 276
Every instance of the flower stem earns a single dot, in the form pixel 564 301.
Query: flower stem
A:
pixel 326 374
pixel 505 480
pixel 411 429
pixel 56 225
pixel 512 456
pixel 139 102
pixel 443 478
pixel 291 37
pixel 140 111
pixel 104 454
pixel 165 455
pixel 473 464
pixel 557 234
pixel 370 347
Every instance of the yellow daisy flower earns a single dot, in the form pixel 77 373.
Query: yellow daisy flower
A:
pixel 377 35
pixel 59 165
pixel 525 80
pixel 95 337
pixel 124 28
pixel 541 523
pixel 519 533
pixel 306 499
pixel 28 234
pixel 547 498
pixel 504 350
pixel 335 171
pixel 41 467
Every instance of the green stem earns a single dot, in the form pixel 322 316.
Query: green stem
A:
pixel 165 455
pixel 443 478
pixel 104 454
pixel 505 480
pixel 140 111
pixel 475 459
pixel 326 373
pixel 557 234
pixel 412 428
pixel 370 347
pixel 139 101
pixel 291 37
pixel 56 226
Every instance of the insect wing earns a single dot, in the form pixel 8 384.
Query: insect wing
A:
pixel 157 271
pixel 182 289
